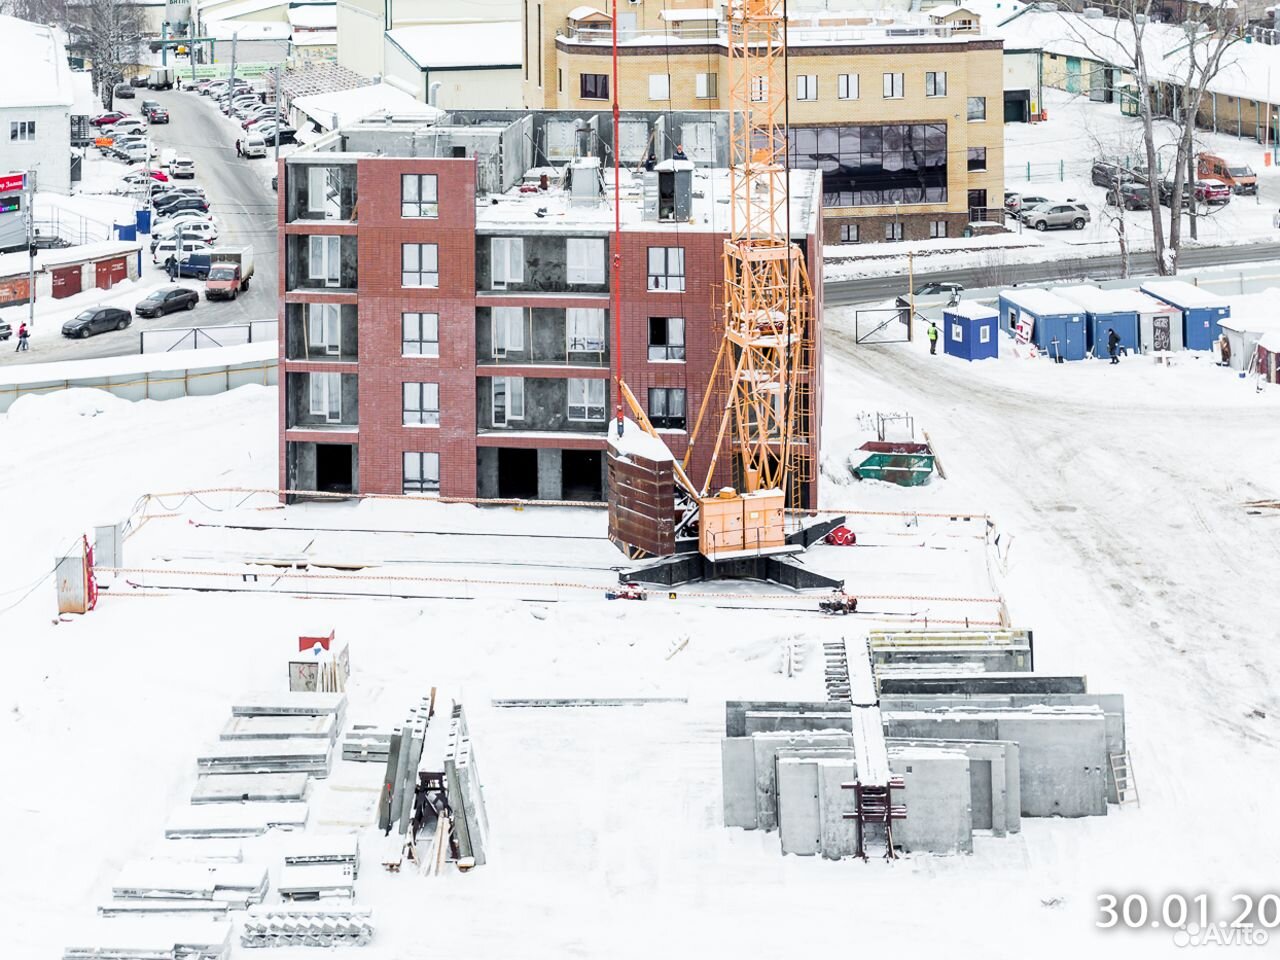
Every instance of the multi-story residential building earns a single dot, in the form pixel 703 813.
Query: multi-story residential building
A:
pixel 446 300
pixel 903 112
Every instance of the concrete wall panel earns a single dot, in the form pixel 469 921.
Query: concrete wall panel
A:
pixel 937 800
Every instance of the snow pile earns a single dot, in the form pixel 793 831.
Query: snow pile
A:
pixel 634 442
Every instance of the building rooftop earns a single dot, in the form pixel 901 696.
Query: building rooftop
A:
pixel 34 71
pixel 347 106
pixel 519 188
pixel 314 16
pixel 439 45
pixel 1179 293
pixel 1097 300
pixel 1041 302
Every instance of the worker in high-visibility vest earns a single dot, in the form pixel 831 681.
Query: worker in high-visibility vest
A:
pixel 932 334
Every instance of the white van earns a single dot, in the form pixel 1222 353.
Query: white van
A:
pixel 254 147
pixel 168 247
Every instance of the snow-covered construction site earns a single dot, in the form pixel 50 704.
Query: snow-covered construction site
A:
pixel 1067 645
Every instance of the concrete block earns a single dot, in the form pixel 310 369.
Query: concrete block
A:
pixel 735 711
pixel 738 778
pixel 839 837
pixel 770 721
pixel 799 816
pixel 936 795
pixel 1063 763
pixel 766 746
pixel 996 803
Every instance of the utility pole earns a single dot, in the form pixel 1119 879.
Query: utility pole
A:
pixel 1191 179
pixel 911 295
pixel 231 86
pixel 277 129
pixel 30 184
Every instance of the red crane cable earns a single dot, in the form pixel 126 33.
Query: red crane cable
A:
pixel 616 275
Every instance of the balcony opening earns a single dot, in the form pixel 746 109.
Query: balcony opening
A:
pixel 334 468
pixel 582 476
pixel 518 474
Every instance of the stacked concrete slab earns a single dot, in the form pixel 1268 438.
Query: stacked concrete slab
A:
pixel 978 740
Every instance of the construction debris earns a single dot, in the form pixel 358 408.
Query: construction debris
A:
pixel 321 926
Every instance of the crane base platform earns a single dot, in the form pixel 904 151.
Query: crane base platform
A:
pixel 776 567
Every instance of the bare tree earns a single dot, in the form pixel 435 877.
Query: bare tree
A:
pixel 108 34
pixel 1184 69
pixel 37 11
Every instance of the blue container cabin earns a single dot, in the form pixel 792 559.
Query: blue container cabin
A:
pixel 1201 310
pixel 970 330
pixel 1107 310
pixel 1053 323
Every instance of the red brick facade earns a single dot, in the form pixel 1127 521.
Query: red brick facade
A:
pixel 381 436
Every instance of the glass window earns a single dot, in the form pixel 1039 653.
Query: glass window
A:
pixel 847 86
pixel 874 164
pixel 508 330
pixel 666 408
pixel 893 86
pixel 324 260
pixel 666 269
pixel 584 330
pixel 326 396
pixel 666 338
pixel 422 404
pixel 659 86
pixel 506 258
pixel 22 130
pixel 848 233
pixel 806 86
pixel 419 265
pixel 977 108
pixel 977 158
pixel 585 257
pixel 893 231
pixel 420 334
pixel 935 84
pixel 324 328
pixel 593 86
pixel 421 472
pixel 705 86
pixel 508 399
pixel 418 195
pixel 937 229
pixel 586 399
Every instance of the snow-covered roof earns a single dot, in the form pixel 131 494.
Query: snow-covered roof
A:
pixel 240 8
pixel 1270 341
pixel 972 310
pixel 314 38
pixel 1096 300
pixel 1249 70
pixel 1253 312
pixel 1181 294
pixel 947 9
pixel 314 16
pixel 439 45
pixel 1040 302
pixel 581 13
pixel 675 16
pixel 634 442
pixel 91 251
pixel 34 71
pixel 351 105
pixel 247 30
pixel 84 101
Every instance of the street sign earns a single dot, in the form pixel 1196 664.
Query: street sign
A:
pixel 13 181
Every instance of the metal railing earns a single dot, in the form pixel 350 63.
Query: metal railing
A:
pixel 700 31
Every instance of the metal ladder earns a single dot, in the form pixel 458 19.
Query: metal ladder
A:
pixel 1126 785
pixel 875 813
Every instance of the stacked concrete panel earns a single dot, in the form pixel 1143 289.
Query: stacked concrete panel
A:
pixel 242 787
pixel 170 938
pixel 318 926
pixel 234 819
pixel 266 756
pixel 466 797
pixel 236 884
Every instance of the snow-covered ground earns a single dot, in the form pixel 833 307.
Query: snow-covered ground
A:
pixel 1132 560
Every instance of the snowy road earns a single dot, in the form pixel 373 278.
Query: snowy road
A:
pixel 244 209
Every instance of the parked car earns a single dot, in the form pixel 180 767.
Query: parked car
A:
pixel 1073 215
pixel 155 179
pixel 1212 192
pixel 6 331
pixel 96 320
pixel 1106 173
pixel 1029 200
pixel 123 91
pixel 934 292
pixel 1012 200
pixel 138 81
pixel 108 118
pixel 1131 196
pixel 253 146
pixel 195 229
pixel 186 216
pixel 165 249
pixel 126 125
pixel 158 115
pixel 1166 193
pixel 184 168
pixel 148 104
pixel 272 135
pixel 181 204
pixel 167 301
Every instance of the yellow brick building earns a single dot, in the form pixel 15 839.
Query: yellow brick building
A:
pixel 902 113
